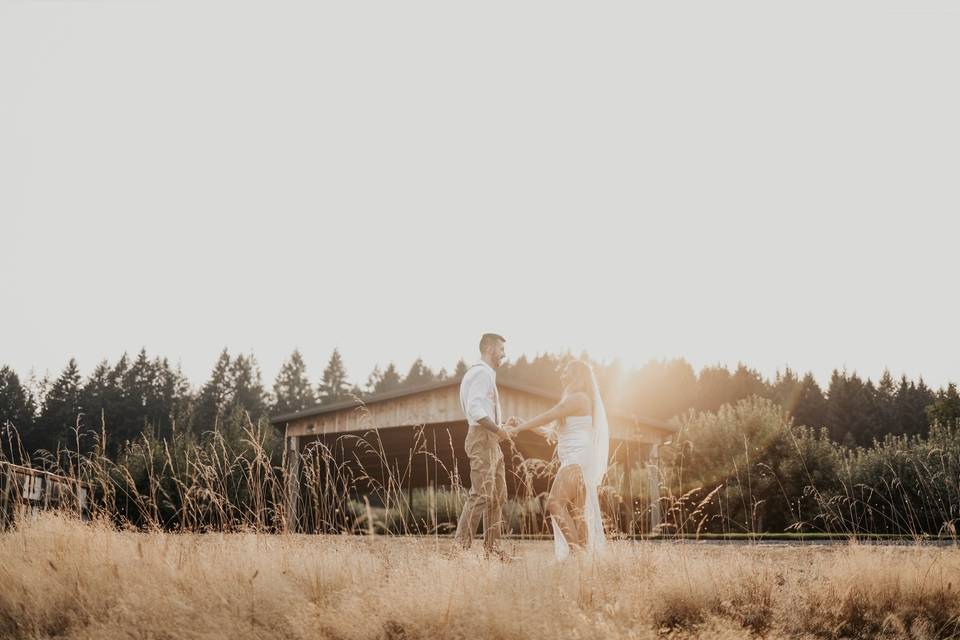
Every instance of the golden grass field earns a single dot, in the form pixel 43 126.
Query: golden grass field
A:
pixel 66 579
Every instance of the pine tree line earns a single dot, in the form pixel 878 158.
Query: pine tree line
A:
pixel 150 396
pixel 147 395
pixel 854 411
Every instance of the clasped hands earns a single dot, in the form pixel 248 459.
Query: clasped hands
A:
pixel 511 428
pixel 508 429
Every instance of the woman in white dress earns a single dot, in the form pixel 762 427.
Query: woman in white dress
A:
pixel 583 444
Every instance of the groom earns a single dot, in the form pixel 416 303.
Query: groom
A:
pixel 488 486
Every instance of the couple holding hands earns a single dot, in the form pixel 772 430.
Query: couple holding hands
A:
pixel 582 437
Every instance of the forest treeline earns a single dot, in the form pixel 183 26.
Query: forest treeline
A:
pixel 145 395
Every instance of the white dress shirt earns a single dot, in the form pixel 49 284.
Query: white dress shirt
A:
pixel 478 394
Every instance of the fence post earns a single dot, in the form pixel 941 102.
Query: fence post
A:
pixel 653 469
pixel 293 483
pixel 6 505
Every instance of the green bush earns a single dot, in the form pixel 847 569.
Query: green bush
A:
pixel 747 467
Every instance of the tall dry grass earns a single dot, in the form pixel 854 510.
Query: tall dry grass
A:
pixel 221 574
pixel 62 578
pixel 744 469
pixel 237 477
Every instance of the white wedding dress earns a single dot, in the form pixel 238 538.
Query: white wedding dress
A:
pixel 585 441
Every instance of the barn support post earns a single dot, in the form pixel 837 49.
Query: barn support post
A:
pixel 653 469
pixel 293 483
pixel 411 520
pixel 628 490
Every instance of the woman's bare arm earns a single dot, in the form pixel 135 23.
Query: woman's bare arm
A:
pixel 572 405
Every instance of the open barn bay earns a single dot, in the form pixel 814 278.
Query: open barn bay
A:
pixel 62 578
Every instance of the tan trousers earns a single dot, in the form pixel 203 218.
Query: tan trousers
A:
pixel 488 489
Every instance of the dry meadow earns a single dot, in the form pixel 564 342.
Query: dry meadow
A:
pixel 66 579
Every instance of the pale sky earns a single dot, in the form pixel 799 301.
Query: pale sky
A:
pixel 736 181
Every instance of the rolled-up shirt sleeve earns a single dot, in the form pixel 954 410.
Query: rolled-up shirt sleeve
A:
pixel 478 393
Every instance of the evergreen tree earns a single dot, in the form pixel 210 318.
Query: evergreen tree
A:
pixel 910 404
pixel 111 407
pixel 373 379
pixel 139 399
pixel 120 374
pixel 61 412
pixel 921 398
pixel 213 399
pixel 130 399
pixel 419 374
pixel 174 396
pixel 292 390
pixel 101 398
pixel 902 402
pixel 810 406
pixel 872 425
pixel 17 410
pixel 746 382
pixel 387 381
pixel 334 387
pixel 462 366
pixel 138 384
pixel 885 407
pixel 38 387
pixel 945 410
pixel 713 388
pixel 518 371
pixel 246 387
pixel 786 389
pixel 838 409
pixel 355 392
pixel 543 372
pixel 851 409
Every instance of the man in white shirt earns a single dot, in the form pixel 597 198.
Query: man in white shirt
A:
pixel 488 486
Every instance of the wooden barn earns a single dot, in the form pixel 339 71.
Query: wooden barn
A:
pixel 416 437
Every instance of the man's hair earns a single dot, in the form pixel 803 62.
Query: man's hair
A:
pixel 489 339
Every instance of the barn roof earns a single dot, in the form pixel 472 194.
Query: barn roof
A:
pixel 432 386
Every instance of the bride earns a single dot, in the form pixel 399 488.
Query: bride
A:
pixel 583 445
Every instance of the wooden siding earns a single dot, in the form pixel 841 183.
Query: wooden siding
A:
pixel 442 406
